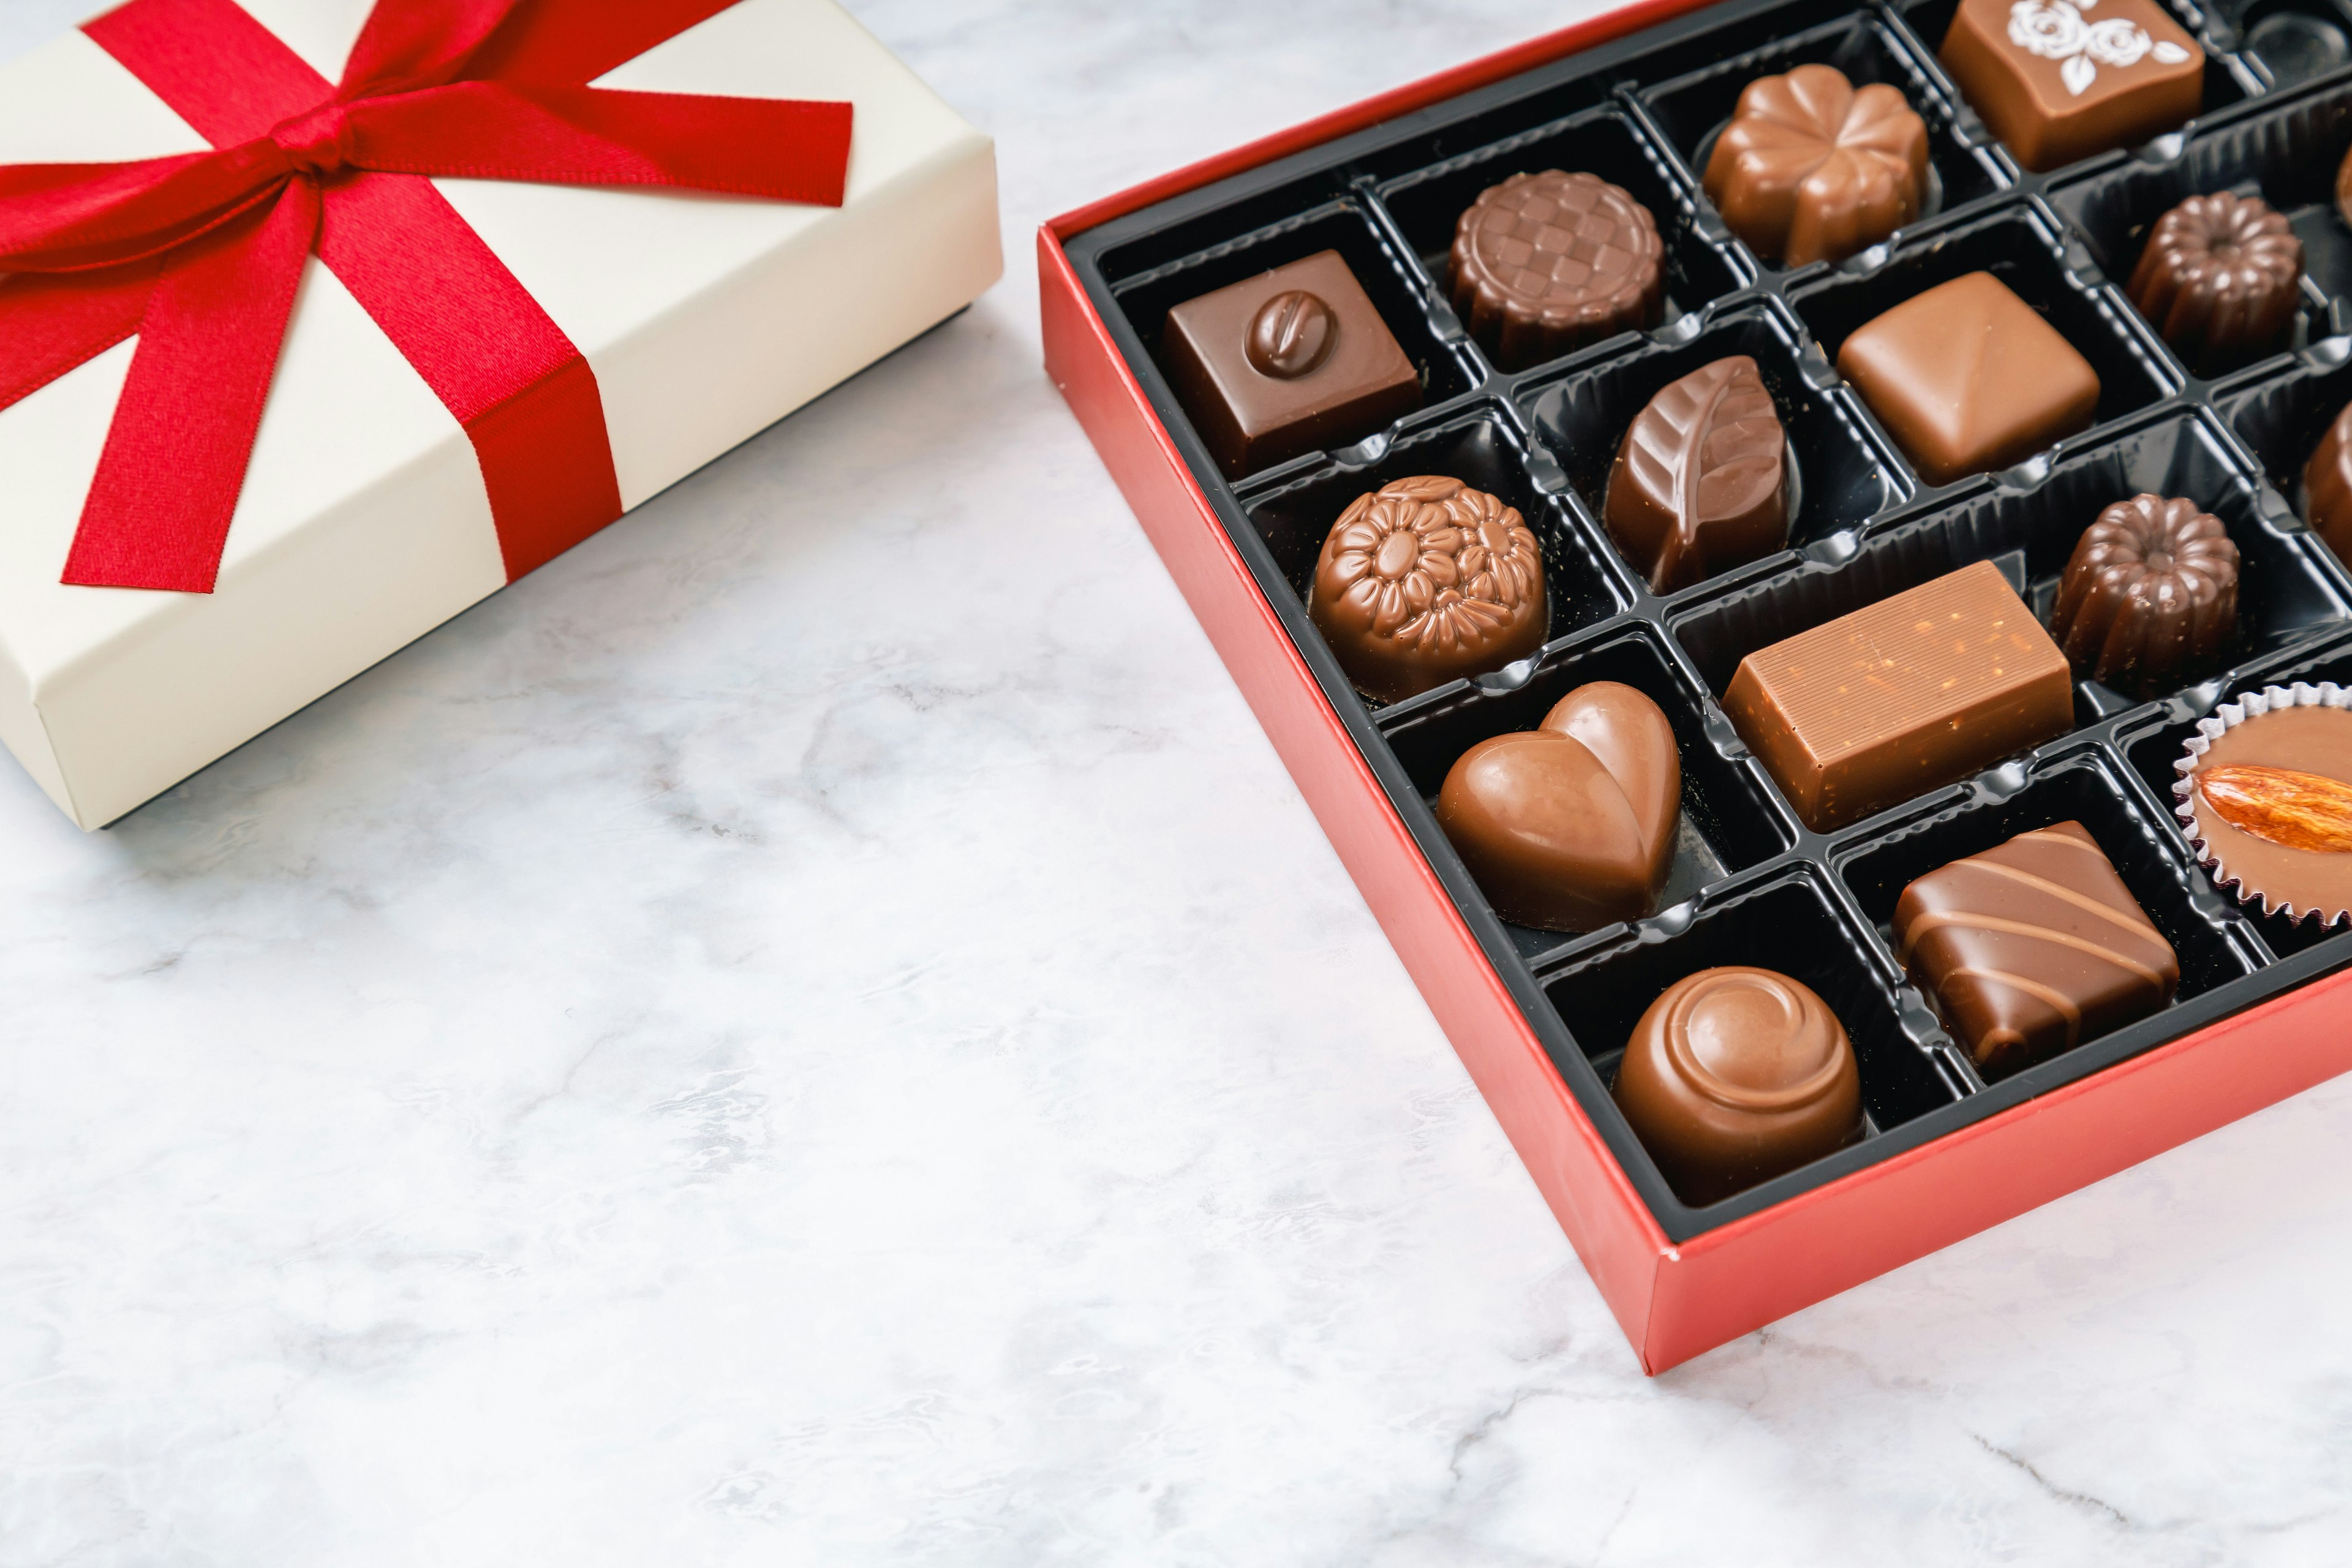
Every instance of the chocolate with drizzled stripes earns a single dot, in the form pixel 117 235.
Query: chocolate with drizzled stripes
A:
pixel 2032 947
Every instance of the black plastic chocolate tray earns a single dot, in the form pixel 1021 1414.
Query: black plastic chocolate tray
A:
pixel 1749 882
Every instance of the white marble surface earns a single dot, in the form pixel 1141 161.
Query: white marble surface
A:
pixel 699 1062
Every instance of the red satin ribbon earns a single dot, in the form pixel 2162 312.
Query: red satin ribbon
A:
pixel 199 256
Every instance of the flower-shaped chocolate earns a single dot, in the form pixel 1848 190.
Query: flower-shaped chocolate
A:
pixel 1425 580
pixel 1811 170
pixel 2220 280
pixel 2150 596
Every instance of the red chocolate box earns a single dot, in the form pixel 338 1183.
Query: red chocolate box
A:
pixel 1540 1019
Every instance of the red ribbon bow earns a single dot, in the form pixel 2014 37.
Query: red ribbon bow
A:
pixel 199 255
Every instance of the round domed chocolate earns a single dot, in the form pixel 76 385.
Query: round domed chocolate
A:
pixel 1425 580
pixel 2219 278
pixel 2150 596
pixel 1735 1075
pixel 1546 263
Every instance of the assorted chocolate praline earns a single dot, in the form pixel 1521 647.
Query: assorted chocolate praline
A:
pixel 2327 486
pixel 2150 596
pixel 2220 277
pixel 1735 1075
pixel 1546 262
pixel 2267 802
pixel 2027 949
pixel 1570 825
pixel 1425 580
pixel 1918 689
pixel 2032 947
pixel 2019 388
pixel 2057 80
pixel 1289 360
pixel 1814 169
pixel 1701 481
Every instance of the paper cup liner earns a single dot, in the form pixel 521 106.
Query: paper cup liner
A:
pixel 2226 718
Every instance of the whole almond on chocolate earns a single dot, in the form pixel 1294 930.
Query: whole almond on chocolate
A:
pixel 2282 806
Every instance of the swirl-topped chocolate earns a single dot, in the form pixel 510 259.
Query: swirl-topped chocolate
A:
pixel 2150 594
pixel 1545 263
pixel 2220 278
pixel 1425 580
pixel 1735 1075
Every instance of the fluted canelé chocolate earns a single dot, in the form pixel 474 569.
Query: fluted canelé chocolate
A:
pixel 1571 825
pixel 1547 262
pixel 2033 947
pixel 1734 1076
pixel 1701 482
pixel 1286 362
pixel 1425 580
pixel 1918 690
pixel 2220 277
pixel 2150 596
pixel 1812 168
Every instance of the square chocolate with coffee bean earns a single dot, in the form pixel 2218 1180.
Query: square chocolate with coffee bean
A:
pixel 1287 362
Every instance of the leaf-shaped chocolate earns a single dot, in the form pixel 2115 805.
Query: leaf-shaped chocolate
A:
pixel 1701 482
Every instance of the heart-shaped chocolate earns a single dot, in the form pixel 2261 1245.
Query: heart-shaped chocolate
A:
pixel 1570 826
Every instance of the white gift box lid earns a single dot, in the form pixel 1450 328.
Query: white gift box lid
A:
pixel 364 522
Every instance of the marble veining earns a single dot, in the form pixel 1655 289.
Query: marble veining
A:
pixel 700 1061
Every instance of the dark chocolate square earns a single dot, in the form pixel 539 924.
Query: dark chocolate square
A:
pixel 1326 370
pixel 2033 947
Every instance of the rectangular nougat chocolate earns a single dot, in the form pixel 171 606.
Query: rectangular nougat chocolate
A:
pixel 1903 696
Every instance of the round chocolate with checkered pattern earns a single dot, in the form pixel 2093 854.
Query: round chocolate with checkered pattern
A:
pixel 1546 263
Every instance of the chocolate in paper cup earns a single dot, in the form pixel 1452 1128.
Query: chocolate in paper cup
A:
pixel 2211 854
